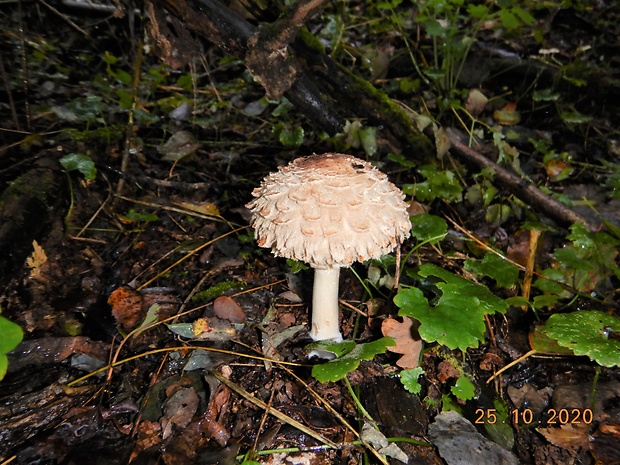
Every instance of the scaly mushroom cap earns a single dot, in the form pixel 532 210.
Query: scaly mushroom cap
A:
pixel 329 211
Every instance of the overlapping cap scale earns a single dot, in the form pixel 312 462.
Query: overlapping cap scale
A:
pixel 329 211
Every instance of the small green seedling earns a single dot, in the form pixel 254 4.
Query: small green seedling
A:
pixel 586 263
pixel 464 389
pixel 79 162
pixel 409 379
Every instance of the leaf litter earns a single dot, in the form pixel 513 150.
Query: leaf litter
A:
pixel 161 391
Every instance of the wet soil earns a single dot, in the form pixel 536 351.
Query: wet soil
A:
pixel 156 331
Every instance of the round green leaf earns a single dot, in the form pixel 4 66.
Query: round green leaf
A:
pixel 429 228
pixel 80 162
pixel 587 333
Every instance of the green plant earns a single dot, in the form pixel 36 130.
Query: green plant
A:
pixel 348 357
pixel 442 184
pixel 452 27
pixel 10 337
pixel 455 315
pixel 587 332
pixel 80 162
pixel 585 264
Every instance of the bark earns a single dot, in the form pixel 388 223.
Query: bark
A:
pixel 306 75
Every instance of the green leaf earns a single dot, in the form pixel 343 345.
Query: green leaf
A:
pixel 574 117
pixel 457 318
pixel 455 322
pixel 292 137
pixel 133 215
pixel 501 270
pixel 438 184
pixel 587 333
pixel 524 15
pixel 84 109
pixel 477 11
pixel 349 356
pixel 509 20
pixel 10 337
pixel 368 137
pixel 489 302
pixel 339 349
pixel 4 366
pixel 405 162
pixel 585 263
pixel 121 75
pixel 545 95
pixel 151 317
pixel 80 162
pixel 409 379
pixel 185 330
pixel 500 431
pixel 497 214
pixel 544 344
pixel 429 228
pixel 433 28
pixel 464 389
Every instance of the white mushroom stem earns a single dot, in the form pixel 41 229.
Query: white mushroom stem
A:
pixel 325 326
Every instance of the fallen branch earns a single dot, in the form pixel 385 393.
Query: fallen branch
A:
pixel 315 83
pixel 520 187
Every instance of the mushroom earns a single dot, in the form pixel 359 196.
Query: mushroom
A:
pixel 328 211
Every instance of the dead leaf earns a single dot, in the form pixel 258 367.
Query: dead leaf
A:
pixel 127 307
pixel 556 168
pixel 508 115
pixel 206 208
pixel 567 436
pixel 490 361
pixel 227 309
pixel 180 145
pixel 147 437
pixel 212 421
pixel 179 410
pixel 406 345
pixel 476 101
pixel 446 370
pixel 36 259
pixel 604 444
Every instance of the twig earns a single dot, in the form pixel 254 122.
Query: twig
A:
pixel 64 18
pixel 276 413
pixel 523 189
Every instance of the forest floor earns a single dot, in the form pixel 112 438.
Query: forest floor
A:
pixel 157 331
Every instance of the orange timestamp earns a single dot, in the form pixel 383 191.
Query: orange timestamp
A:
pixel 526 416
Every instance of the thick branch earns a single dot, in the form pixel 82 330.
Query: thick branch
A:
pixel 319 82
pixel 228 31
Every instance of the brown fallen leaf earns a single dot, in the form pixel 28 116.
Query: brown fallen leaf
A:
pixel 148 436
pixel 36 260
pixel 567 436
pixel 212 420
pixel 127 307
pixel 406 345
pixel 179 410
pixel 604 444
pixel 227 309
